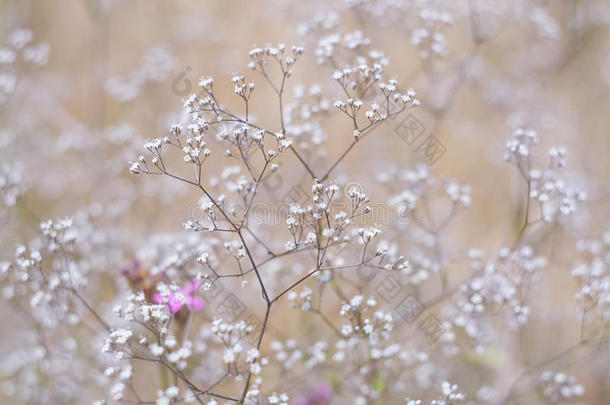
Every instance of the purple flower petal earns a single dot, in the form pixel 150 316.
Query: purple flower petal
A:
pixel 190 288
pixel 300 400
pixel 195 303
pixel 322 393
pixel 174 304
pixel 157 298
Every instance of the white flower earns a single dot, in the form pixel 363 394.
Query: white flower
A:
pixel 228 356
pixel 156 350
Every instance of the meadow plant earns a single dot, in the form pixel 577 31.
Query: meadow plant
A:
pixel 298 277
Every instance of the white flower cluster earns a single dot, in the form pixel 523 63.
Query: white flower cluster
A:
pixel 17 51
pixel 167 396
pixel 302 299
pixel 521 145
pixel 261 56
pixel 231 334
pixel 60 234
pixel 12 184
pixel 429 37
pixel 287 353
pixel 304 223
pixel 502 283
pixel 559 387
pixel 281 399
pixel 49 273
pixel 242 88
pixel 120 376
pixel 593 272
pixel 450 394
pixel 330 46
pixel 154 67
pixel 303 117
pixel 393 102
pixel 161 344
pixel 191 144
pixel 419 184
pixel 553 195
pixel 379 326
pixel 118 339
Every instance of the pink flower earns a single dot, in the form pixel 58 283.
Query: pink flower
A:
pixel 186 295
pixel 126 271
pixel 320 394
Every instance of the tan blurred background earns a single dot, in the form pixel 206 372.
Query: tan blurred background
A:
pixel 471 100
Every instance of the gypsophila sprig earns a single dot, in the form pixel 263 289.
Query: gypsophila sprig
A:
pixel 216 214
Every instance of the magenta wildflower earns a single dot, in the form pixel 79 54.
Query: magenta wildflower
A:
pixel 320 394
pixel 135 267
pixel 186 295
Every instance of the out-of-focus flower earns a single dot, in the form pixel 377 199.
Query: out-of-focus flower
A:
pixel 184 296
pixel 320 394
